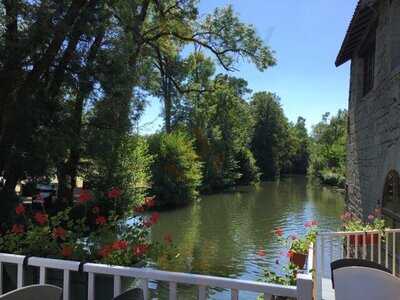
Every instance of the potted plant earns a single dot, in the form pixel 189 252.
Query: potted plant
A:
pixel 374 221
pixel 298 246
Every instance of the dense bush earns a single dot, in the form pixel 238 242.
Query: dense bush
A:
pixel 176 169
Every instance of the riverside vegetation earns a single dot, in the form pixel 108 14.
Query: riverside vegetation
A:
pixel 78 74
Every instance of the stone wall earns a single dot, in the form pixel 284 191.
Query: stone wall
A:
pixel 374 120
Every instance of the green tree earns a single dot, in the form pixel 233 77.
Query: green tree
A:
pixel 176 169
pixel 328 149
pixel 299 147
pixel 270 141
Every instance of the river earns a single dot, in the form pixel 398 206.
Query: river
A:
pixel 222 234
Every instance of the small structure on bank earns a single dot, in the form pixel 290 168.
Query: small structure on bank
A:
pixel 372 43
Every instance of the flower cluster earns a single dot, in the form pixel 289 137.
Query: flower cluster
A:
pixel 353 223
pixel 101 235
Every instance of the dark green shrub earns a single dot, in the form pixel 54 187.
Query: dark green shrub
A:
pixel 247 167
pixel 176 170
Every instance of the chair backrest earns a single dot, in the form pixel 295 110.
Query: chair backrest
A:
pixel 34 292
pixel 352 262
pixel 132 294
pixel 365 283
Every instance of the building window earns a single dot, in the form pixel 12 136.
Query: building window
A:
pixel 369 68
pixel 391 198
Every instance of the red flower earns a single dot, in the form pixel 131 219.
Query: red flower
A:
pixel 119 245
pixel 96 210
pixel 314 223
pixel 346 216
pixel 149 201
pixel 59 232
pixel 290 254
pixel 18 229
pixel 20 209
pixel 66 251
pixel 41 218
pixel 84 196
pixel 155 216
pixel 146 223
pixel 105 250
pixel 261 252
pixel 139 209
pixel 140 250
pixel 101 220
pixel 168 238
pixel 279 231
pixel 114 193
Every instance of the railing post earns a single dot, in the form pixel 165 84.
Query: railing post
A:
pixel 20 275
pixel 304 286
pixel 1 278
pixel 319 267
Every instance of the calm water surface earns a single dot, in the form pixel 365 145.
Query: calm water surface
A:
pixel 221 234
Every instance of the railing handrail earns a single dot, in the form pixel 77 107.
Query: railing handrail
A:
pixel 346 233
pixel 148 274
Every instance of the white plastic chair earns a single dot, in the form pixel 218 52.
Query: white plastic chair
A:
pixel 34 292
pixel 365 283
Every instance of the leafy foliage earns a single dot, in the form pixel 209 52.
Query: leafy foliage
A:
pixel 271 134
pixel 176 169
pixel 328 149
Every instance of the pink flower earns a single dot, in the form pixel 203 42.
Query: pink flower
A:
pixel 41 218
pixel 101 220
pixel 310 223
pixel 18 229
pixel 140 249
pixel 59 232
pixel 105 250
pixel 84 196
pixel 139 209
pixel 371 217
pixel 168 238
pixel 66 251
pixel 20 209
pixel 261 252
pixel 114 193
pixel 155 216
pixel 279 231
pixel 119 245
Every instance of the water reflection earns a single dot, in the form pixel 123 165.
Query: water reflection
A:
pixel 221 234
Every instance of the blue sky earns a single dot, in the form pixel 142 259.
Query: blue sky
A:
pixel 306 36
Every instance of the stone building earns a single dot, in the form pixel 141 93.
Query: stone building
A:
pixel 372 43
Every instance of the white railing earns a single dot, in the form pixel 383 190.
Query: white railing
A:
pixel 302 291
pixel 369 245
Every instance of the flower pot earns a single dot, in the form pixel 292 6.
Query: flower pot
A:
pixel 298 259
pixel 360 239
